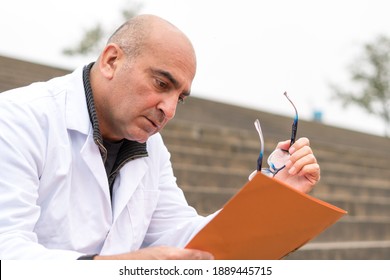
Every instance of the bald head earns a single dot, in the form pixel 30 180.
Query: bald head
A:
pixel 145 30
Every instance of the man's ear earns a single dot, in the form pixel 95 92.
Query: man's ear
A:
pixel 109 59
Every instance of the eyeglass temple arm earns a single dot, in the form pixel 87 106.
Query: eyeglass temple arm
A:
pixel 295 123
pixel 260 158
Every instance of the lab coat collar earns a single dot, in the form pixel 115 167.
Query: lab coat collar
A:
pixel 77 116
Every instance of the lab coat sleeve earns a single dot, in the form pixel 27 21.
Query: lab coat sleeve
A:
pixel 174 222
pixel 22 141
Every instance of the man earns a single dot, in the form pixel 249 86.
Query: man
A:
pixel 84 173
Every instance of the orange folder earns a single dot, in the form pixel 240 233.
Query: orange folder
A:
pixel 266 219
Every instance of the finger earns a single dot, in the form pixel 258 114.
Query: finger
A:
pixel 295 166
pixel 194 254
pixel 301 142
pixel 311 172
pixel 302 152
pixel 297 155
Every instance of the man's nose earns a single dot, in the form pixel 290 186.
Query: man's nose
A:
pixel 168 106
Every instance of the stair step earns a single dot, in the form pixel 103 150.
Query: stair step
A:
pixel 353 187
pixel 346 250
pixel 356 229
pixel 219 177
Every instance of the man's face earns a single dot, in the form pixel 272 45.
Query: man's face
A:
pixel 146 91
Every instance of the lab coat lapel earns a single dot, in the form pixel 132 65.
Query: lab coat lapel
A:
pixel 128 180
pixel 77 119
pixel 91 155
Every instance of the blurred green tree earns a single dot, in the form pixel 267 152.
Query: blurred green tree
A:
pixel 370 73
pixel 92 39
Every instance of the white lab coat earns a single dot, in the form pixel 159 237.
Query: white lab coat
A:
pixel 54 194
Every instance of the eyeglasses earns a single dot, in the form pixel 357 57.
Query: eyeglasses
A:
pixel 278 158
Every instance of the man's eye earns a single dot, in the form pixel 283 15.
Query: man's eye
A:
pixel 181 100
pixel 161 84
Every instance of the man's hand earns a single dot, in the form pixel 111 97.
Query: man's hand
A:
pixel 160 253
pixel 302 170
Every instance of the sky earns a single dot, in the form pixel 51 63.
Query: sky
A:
pixel 249 51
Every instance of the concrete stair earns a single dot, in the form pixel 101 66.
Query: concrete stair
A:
pixel 214 148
